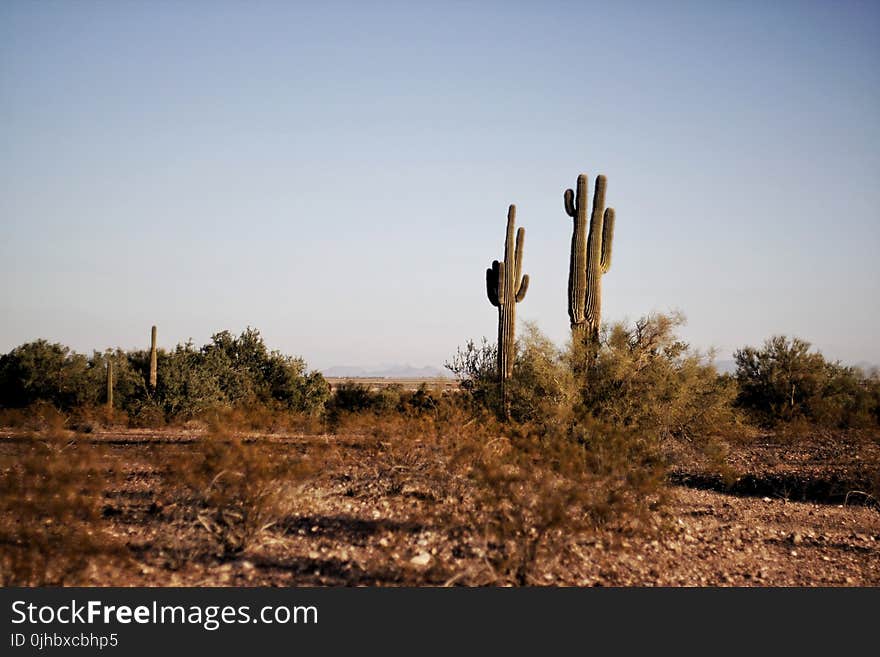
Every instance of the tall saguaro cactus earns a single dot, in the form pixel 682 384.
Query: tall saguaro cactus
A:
pixel 109 384
pixel 506 286
pixel 153 358
pixel 590 259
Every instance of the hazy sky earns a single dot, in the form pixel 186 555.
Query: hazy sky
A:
pixel 338 174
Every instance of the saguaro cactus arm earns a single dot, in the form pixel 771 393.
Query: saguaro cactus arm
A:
pixel 513 257
pixel 607 237
pixel 492 283
pixel 523 288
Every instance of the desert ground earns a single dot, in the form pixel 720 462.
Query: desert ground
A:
pixel 772 510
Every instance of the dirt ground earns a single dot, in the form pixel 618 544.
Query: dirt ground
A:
pixel 767 512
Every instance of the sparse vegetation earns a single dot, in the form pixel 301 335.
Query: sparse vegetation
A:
pixel 255 461
pixel 51 491
pixel 236 488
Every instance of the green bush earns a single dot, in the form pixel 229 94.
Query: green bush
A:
pixel 784 381
pixel 641 377
pixel 227 372
pixel 43 371
pixel 542 388
pixel 645 377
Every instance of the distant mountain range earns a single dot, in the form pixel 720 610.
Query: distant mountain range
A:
pixel 394 371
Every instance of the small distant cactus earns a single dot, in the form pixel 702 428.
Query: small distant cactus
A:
pixel 153 358
pixel 506 286
pixel 590 259
pixel 109 384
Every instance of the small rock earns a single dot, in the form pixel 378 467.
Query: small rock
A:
pixel 796 538
pixel 766 499
pixel 421 559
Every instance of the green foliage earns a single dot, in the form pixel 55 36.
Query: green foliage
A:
pixel 227 372
pixel 128 384
pixel 351 397
pixel 642 377
pixel 542 387
pixel 42 371
pixel 188 386
pixel 645 378
pixel 355 397
pixel 784 381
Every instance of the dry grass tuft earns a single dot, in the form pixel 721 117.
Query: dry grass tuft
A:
pixel 50 511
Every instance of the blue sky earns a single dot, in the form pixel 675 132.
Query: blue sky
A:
pixel 337 174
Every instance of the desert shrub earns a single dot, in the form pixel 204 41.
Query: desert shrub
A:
pixel 533 490
pixel 129 384
pixel 237 489
pixel 248 373
pixel 258 418
pixel 476 368
pixel 186 387
pixel 42 371
pixel 420 401
pixel 643 377
pixel 352 397
pixel 39 416
pixel 542 388
pixel 88 418
pixel 784 382
pixel 50 501
pixel 229 371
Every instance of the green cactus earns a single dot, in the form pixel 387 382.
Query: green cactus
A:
pixel 153 358
pixel 109 384
pixel 590 259
pixel 506 286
